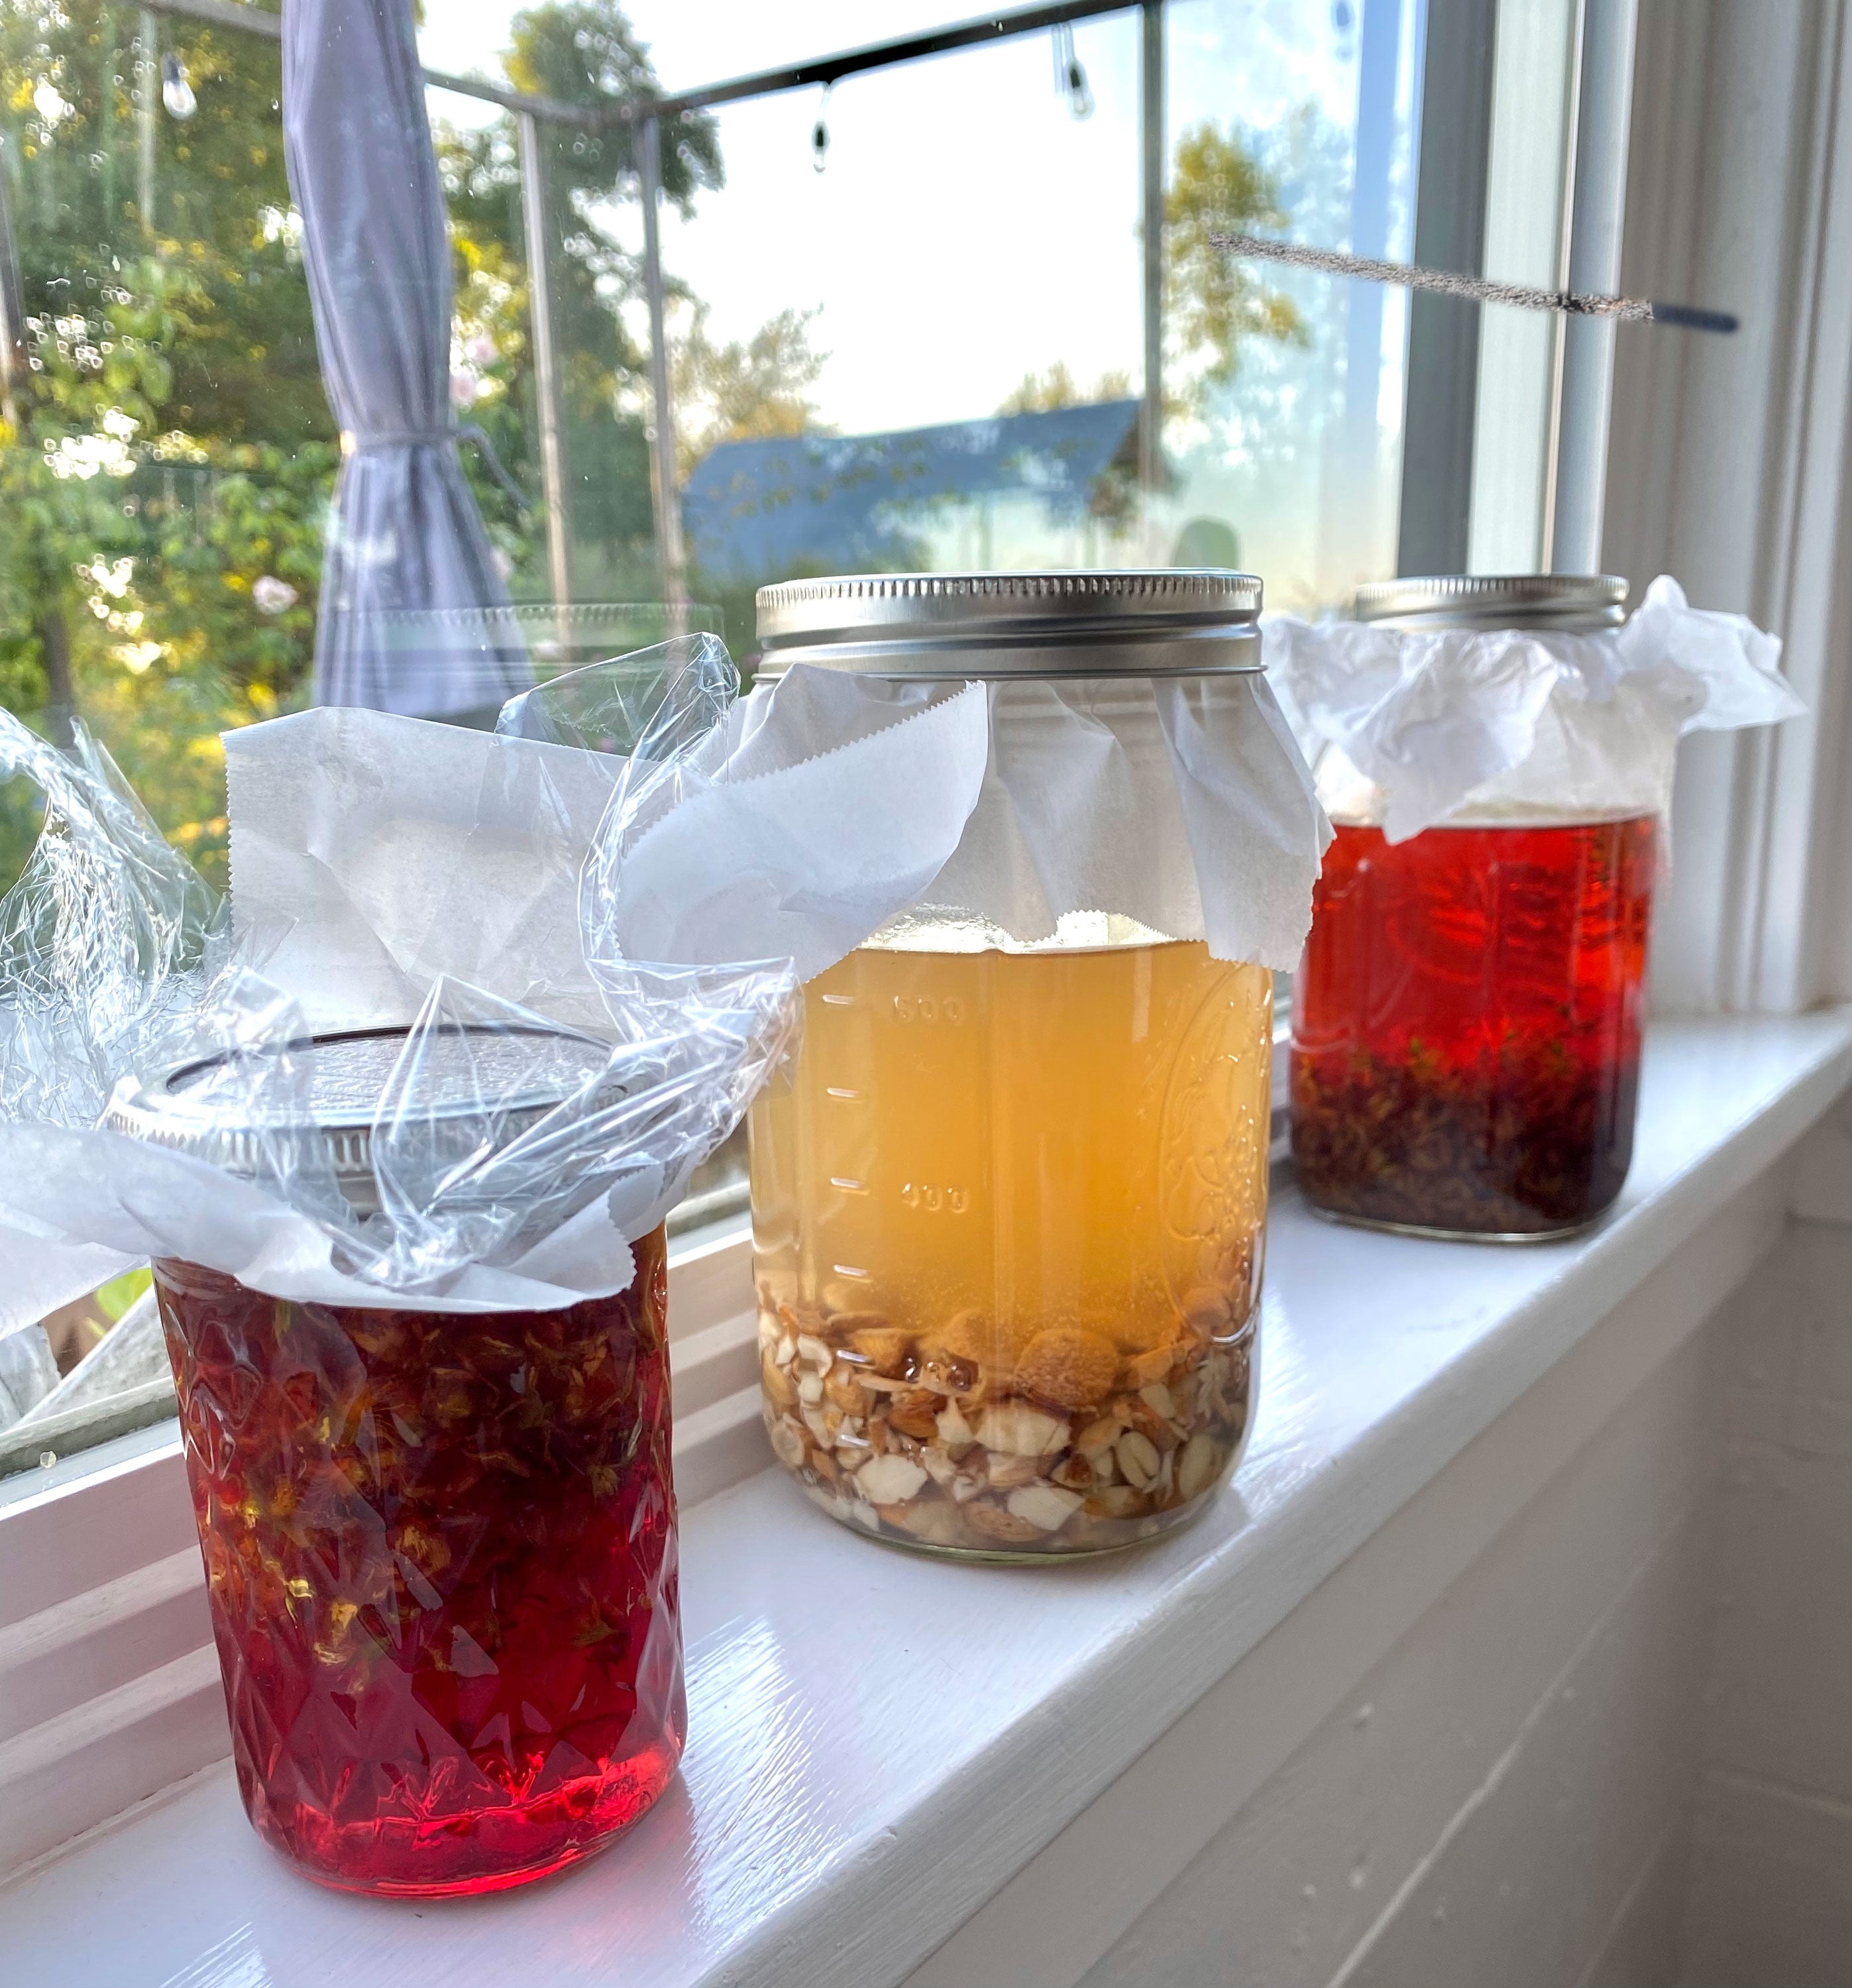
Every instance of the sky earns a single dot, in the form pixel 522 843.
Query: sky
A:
pixel 967 229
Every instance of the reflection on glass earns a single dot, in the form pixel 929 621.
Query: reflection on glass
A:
pixel 929 356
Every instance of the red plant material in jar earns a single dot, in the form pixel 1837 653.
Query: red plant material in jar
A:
pixel 441 1557
pixel 1466 1025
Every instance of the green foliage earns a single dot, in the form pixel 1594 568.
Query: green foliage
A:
pixel 165 472
pixel 745 387
pixel 1044 393
pixel 172 446
pixel 1211 299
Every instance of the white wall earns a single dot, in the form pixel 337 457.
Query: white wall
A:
pixel 1770 1894
pixel 1579 1715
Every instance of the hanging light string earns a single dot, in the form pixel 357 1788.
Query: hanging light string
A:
pixel 176 90
pixel 819 133
pixel 1070 78
pixel 1480 289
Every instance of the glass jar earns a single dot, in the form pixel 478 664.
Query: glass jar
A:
pixel 440 1551
pixel 1466 1021
pixel 1008 1216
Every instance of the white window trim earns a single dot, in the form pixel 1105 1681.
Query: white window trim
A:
pixel 855 1725
pixel 1730 467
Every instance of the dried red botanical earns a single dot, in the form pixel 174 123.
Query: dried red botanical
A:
pixel 441 1554
pixel 1466 1025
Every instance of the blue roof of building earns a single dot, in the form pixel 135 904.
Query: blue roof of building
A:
pixel 755 511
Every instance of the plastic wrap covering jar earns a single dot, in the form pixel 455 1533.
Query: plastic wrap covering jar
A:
pixel 440 1546
pixel 1466 1023
pixel 1008 1215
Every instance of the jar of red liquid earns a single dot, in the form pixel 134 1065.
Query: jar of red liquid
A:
pixel 440 1546
pixel 1466 1020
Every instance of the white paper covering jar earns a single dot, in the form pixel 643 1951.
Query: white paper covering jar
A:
pixel 1008 1213
pixel 1498 754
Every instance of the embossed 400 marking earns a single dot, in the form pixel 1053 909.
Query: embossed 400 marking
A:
pixel 936 1200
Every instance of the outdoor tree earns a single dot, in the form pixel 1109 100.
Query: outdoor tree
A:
pixel 1044 393
pixel 743 389
pixel 167 464
pixel 1212 300
pixel 585 52
pixel 168 450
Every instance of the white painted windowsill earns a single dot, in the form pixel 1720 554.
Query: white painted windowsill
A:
pixel 879 1741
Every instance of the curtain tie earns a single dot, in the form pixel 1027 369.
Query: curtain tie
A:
pixel 365 440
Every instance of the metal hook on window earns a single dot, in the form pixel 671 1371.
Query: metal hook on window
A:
pixel 819 135
pixel 1070 78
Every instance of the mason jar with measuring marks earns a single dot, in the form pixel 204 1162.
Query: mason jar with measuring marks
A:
pixel 1008 1215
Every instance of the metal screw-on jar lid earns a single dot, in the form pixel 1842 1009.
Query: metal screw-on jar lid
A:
pixel 914 626
pixel 512 1074
pixel 1563 603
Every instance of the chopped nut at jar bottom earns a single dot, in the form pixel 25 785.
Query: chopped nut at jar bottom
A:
pixel 1138 1459
pixel 790 1447
pixel 950 1454
pixel 1044 1506
pixel 1143 1368
pixel 889 1480
pixel 1006 1470
pixel 1067 1366
pixel 938 1524
pixel 1005 1528
pixel 915 1414
pixel 1021 1431
pixel 780 1389
pixel 884 1346
pixel 1198 1463
pixel 953 1430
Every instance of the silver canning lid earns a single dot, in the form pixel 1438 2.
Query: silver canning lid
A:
pixel 513 1074
pixel 915 626
pixel 1562 603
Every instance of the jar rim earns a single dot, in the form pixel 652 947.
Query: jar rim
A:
pixel 928 627
pixel 333 1096
pixel 1561 603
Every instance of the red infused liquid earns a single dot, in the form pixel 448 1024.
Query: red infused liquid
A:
pixel 1466 1025
pixel 441 1557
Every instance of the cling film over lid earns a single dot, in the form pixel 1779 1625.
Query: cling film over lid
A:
pixel 408 1256
pixel 171 1081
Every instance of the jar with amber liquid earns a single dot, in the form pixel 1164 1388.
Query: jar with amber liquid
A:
pixel 1009 1212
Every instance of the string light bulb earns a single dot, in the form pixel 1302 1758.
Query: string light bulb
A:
pixel 819 135
pixel 1070 78
pixel 176 91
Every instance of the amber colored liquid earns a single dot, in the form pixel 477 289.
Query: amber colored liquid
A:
pixel 1070 1136
pixel 441 1558
pixel 1466 1025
